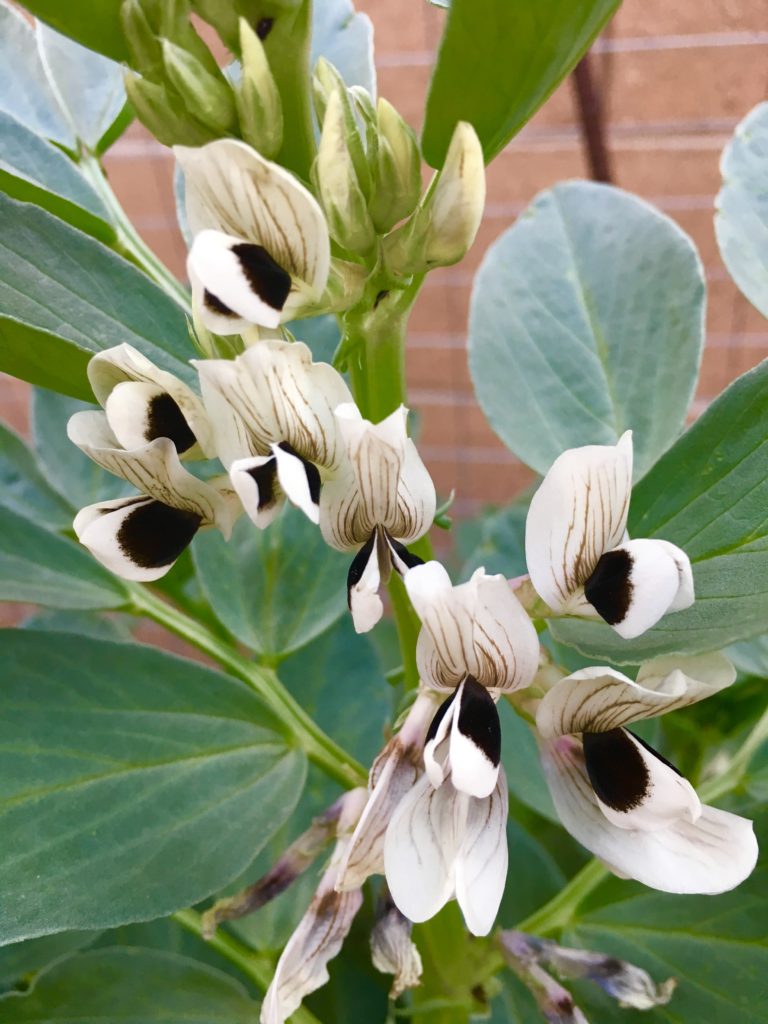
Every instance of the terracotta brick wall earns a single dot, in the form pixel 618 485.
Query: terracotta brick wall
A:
pixel 676 78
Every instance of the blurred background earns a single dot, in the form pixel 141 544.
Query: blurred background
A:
pixel 650 109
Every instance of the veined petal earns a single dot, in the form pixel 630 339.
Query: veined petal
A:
pixel 393 952
pixel 475 743
pixel 363 583
pixel 132 419
pixel 481 863
pixel 136 538
pixel 377 453
pixel 578 513
pixel 215 315
pixel 600 699
pixel 230 188
pixel 416 498
pixel 634 585
pixel 420 847
pixel 635 787
pixel 711 855
pixel 155 470
pixel 256 485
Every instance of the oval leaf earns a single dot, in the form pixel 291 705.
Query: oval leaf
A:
pixel 709 495
pixel 274 589
pixel 741 223
pixel 587 319
pixel 499 60
pixel 157 782
pixel 64 296
pixel 95 25
pixel 25 489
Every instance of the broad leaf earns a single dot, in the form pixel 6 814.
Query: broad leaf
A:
pixel 131 986
pixel 587 319
pixel 709 495
pixel 520 757
pixel 275 589
pixel 498 543
pixel 89 87
pixel 25 92
pixel 23 958
pixel 741 224
pixel 499 60
pixel 99 627
pixel 134 783
pixel 64 296
pixel 25 489
pixel 35 171
pixel 345 38
pixel 533 877
pixel 44 568
pixel 95 25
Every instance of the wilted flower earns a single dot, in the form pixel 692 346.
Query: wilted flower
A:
pixel 382 497
pixel 150 418
pixel 393 951
pixel 261 251
pixel 579 557
pixel 621 799
pixel 274 428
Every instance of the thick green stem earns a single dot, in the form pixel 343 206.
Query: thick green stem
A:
pixel 288 50
pixel 318 746
pixel 129 241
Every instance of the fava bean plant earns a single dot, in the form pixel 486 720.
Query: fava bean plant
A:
pixel 520 782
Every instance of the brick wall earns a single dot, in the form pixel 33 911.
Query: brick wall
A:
pixel 676 79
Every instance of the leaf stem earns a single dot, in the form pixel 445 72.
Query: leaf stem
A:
pixel 317 745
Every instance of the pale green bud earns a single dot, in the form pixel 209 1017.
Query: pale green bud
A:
pixel 208 97
pixel 221 16
pixel 143 44
pixel 163 115
pixel 345 286
pixel 325 80
pixel 257 96
pixel 397 171
pixel 173 24
pixel 337 182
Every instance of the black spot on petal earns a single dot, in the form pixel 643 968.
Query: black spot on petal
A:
pixel 616 769
pixel 357 568
pixel 403 558
pixel 264 477
pixel 165 419
pixel 609 588
pixel 215 305
pixel 267 278
pixel 479 719
pixel 313 473
pixel 440 714
pixel 154 534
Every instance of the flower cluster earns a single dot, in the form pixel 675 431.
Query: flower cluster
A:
pixel 286 428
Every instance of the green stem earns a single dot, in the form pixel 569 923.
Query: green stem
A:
pixel 408 626
pixel 318 746
pixel 288 50
pixel 253 965
pixel 129 241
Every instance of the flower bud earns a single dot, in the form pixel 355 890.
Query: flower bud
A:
pixel 337 181
pixel 208 97
pixel 258 100
pixel 223 17
pixel 143 45
pixel 397 170
pixel 172 23
pixel 325 80
pixel 162 114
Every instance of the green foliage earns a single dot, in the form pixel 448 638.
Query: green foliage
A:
pixel 25 489
pixel 709 495
pixel 135 782
pixel 64 296
pixel 587 319
pixel 21 959
pixel 499 60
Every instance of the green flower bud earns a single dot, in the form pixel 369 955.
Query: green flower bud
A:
pixel 337 182
pixel 173 24
pixel 223 17
pixel 397 171
pixel 208 97
pixel 163 115
pixel 325 80
pixel 345 287
pixel 257 96
pixel 444 225
pixel 143 45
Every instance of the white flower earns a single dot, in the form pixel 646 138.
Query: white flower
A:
pixel 382 498
pixel 274 428
pixel 149 419
pixel 620 798
pixel 260 251
pixel 579 557
pixel 393 952
pixel 302 967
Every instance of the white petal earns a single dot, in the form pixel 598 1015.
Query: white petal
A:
pixel 230 188
pixel 634 787
pixel 363 583
pixel 685 591
pixel 481 864
pixel 599 699
pixel 255 483
pixel 636 584
pixel 125 364
pixel 154 469
pixel 416 498
pixel 711 855
pixel 376 453
pixel 420 848
pixel 393 952
pixel 214 316
pixel 138 413
pixel 435 745
pixel 578 512
pixel 135 538
pixel 296 479
pixel 475 743
pixel 229 410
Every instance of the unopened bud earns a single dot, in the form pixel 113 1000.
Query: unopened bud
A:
pixel 340 193
pixel 208 97
pixel 173 23
pixel 397 171
pixel 162 114
pixel 325 81
pixel 223 17
pixel 345 285
pixel 143 45
pixel 258 100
